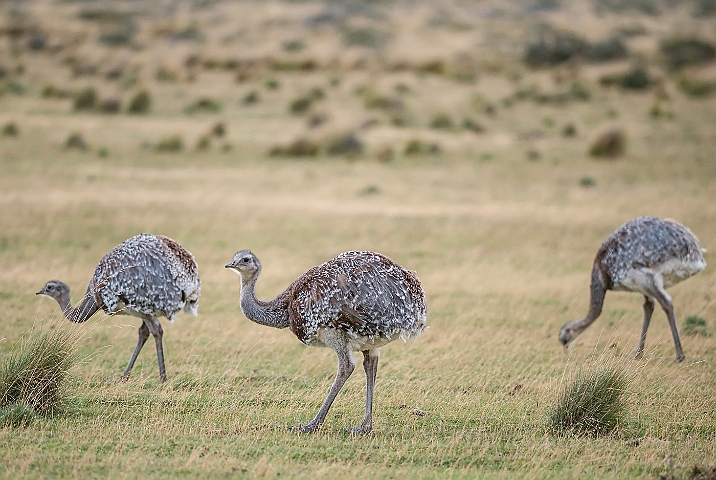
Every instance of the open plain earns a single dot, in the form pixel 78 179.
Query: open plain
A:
pixel 426 135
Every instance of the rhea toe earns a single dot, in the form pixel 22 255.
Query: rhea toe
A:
pixel 646 255
pixel 358 301
pixel 146 276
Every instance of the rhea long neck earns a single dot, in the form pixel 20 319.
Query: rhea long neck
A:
pixel 597 291
pixel 82 312
pixel 273 313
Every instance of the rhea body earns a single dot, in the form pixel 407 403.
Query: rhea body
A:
pixel 646 255
pixel 146 276
pixel 358 301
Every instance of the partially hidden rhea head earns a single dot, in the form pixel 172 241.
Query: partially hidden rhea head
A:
pixel 568 334
pixel 54 289
pixel 191 307
pixel 245 264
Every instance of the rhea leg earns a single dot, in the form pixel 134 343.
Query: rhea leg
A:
pixel 346 365
pixel 665 301
pixel 155 328
pixel 143 336
pixel 370 365
pixel 648 310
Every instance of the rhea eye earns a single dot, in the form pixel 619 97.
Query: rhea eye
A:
pixel 244 259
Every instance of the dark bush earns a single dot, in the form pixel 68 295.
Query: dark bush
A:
pixel 219 130
pixel 418 147
pixel 207 105
pixel 166 75
pixel 111 105
pixel 51 91
pixel 679 53
pixel 251 98
pixel 300 105
pixel 10 130
pixel 75 141
pixel 637 79
pixel 554 49
pixel 203 143
pixel 569 130
pixel 694 87
pixel 171 144
pixel 695 325
pixel 592 404
pixel 347 144
pixel 272 84
pixel 140 103
pixel 35 375
pixel 610 144
pixel 293 45
pixel 648 7
pixel 587 182
pixel 86 99
pixel 441 120
pixel 472 125
pixel 704 8
pixel 302 147
pixel 607 50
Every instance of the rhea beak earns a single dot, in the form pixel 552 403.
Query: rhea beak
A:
pixel 40 292
pixel 230 265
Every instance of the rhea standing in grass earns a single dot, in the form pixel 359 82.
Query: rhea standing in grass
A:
pixel 646 255
pixel 358 301
pixel 146 276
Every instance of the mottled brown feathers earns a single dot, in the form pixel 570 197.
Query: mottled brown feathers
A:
pixel 147 274
pixel 361 293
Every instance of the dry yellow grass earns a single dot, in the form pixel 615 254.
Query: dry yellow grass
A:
pixel 502 245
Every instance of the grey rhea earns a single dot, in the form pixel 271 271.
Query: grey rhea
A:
pixel 358 301
pixel 646 255
pixel 146 276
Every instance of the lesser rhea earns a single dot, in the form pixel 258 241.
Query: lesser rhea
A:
pixel 146 276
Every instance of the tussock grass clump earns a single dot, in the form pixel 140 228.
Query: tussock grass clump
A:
pixel 34 376
pixel 140 103
pixel 695 325
pixel 10 129
pixel 18 415
pixel 591 404
pixel 171 144
pixel 610 144
pixel 75 141
pixel 86 99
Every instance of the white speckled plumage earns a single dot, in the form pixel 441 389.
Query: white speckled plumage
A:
pixel 145 276
pixel 645 255
pixel 358 301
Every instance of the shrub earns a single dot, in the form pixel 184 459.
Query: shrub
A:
pixel 610 144
pixel 10 130
pixel 591 404
pixel 218 130
pixel 704 8
pixel 554 49
pixel 293 45
pixel 35 375
pixel 472 125
pixel 272 84
pixel 607 50
pixel 170 144
pixel 695 325
pixel 346 144
pixel 86 99
pixel 302 147
pixel 418 147
pixel 17 415
pixel 385 154
pixel 587 182
pixel 203 143
pixel 679 53
pixel 300 105
pixel 441 121
pixel 251 98
pixel 111 105
pixel 140 103
pixel 569 130
pixel 693 87
pixel 205 104
pixel 51 91
pixel 637 79
pixel 75 141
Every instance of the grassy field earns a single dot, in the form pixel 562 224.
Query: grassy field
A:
pixel 501 226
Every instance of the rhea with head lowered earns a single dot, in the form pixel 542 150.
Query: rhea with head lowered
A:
pixel 358 301
pixel 146 276
pixel 646 255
